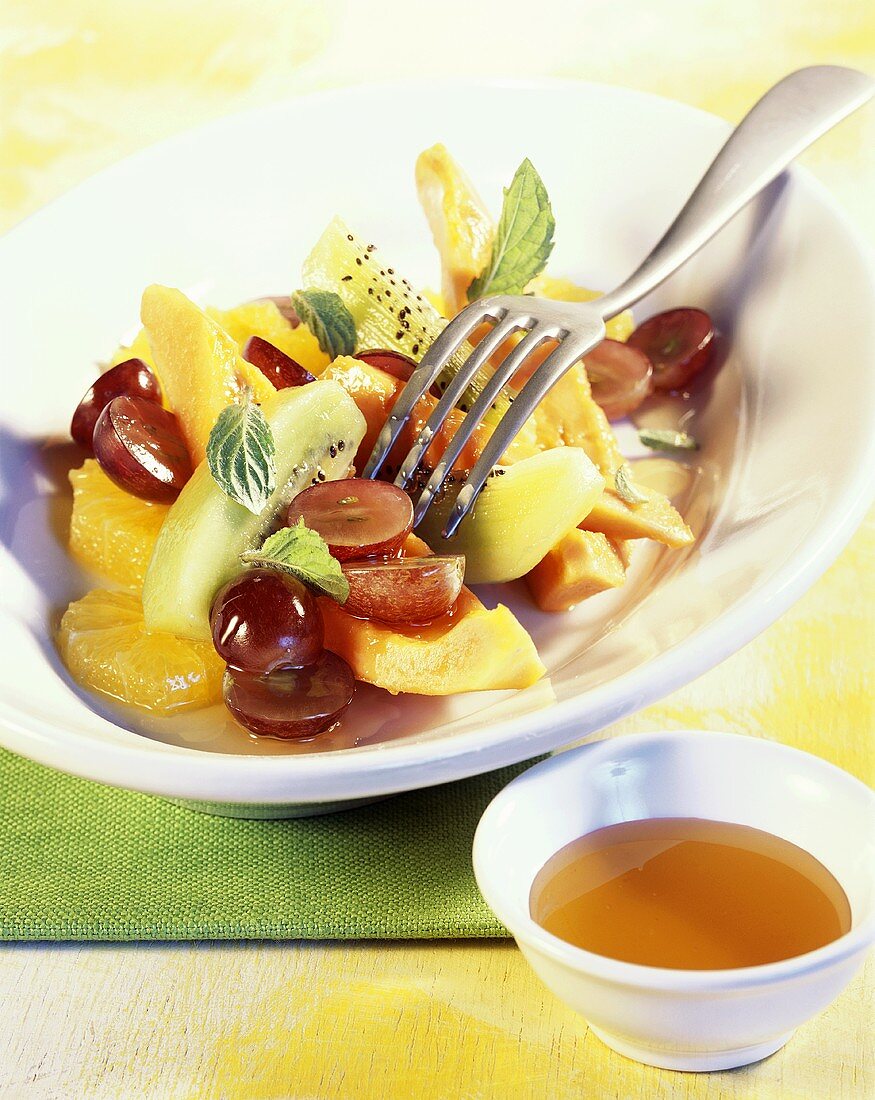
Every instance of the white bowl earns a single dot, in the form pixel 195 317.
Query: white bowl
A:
pixel 230 210
pixel 683 1019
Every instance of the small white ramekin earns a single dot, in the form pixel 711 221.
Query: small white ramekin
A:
pixel 683 1019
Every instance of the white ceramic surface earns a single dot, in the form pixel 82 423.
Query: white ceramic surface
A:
pixel 683 1019
pixel 229 211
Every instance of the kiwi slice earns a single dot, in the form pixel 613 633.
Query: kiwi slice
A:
pixel 521 514
pixel 317 429
pixel 387 310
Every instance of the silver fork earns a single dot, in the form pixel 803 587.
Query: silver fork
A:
pixel 791 115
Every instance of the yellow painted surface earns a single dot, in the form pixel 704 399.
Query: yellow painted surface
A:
pixel 83 83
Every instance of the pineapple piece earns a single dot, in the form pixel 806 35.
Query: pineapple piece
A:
pixel 462 228
pixel 264 319
pixel 581 565
pixel 198 364
pixel 655 519
pixel 569 417
pixel 564 290
pixel 139 349
pixel 438 301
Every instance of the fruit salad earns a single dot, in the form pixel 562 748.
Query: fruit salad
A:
pixel 241 558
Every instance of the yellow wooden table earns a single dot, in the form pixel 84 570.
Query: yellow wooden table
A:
pixel 80 85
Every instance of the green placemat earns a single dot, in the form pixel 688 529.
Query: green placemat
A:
pixel 80 861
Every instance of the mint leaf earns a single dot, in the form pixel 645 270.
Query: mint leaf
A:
pixel 524 239
pixel 304 553
pixel 326 316
pixel 667 439
pixel 240 454
pixel 626 488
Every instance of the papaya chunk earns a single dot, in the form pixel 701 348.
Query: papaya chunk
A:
pixel 582 564
pixel 469 649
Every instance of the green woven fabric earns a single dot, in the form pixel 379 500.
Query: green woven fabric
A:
pixel 80 861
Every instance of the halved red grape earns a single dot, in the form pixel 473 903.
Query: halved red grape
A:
pixel 131 378
pixel 392 362
pixel 356 517
pixel 265 619
pixel 679 343
pixel 620 377
pixel 291 702
pixel 400 366
pixel 275 365
pixel 406 590
pixel 140 447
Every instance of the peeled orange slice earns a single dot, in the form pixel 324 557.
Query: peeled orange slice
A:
pixel 104 643
pixel 112 532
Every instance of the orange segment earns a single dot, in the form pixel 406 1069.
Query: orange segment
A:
pixel 105 645
pixel 112 532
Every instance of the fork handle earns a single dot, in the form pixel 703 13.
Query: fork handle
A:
pixel 788 118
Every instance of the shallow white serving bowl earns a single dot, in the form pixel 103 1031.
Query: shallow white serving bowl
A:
pixel 228 212
pixel 683 1019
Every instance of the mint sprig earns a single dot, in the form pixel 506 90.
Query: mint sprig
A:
pixel 523 240
pixel 240 454
pixel 625 487
pixel 326 316
pixel 667 439
pixel 303 553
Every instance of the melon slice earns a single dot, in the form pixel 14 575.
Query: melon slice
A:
pixel 522 512
pixel 198 364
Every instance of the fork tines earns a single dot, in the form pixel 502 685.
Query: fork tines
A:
pixel 507 318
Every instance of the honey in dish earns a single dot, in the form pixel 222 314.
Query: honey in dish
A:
pixel 689 894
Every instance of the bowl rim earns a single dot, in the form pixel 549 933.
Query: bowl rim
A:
pixel 663 979
pixel 158 768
